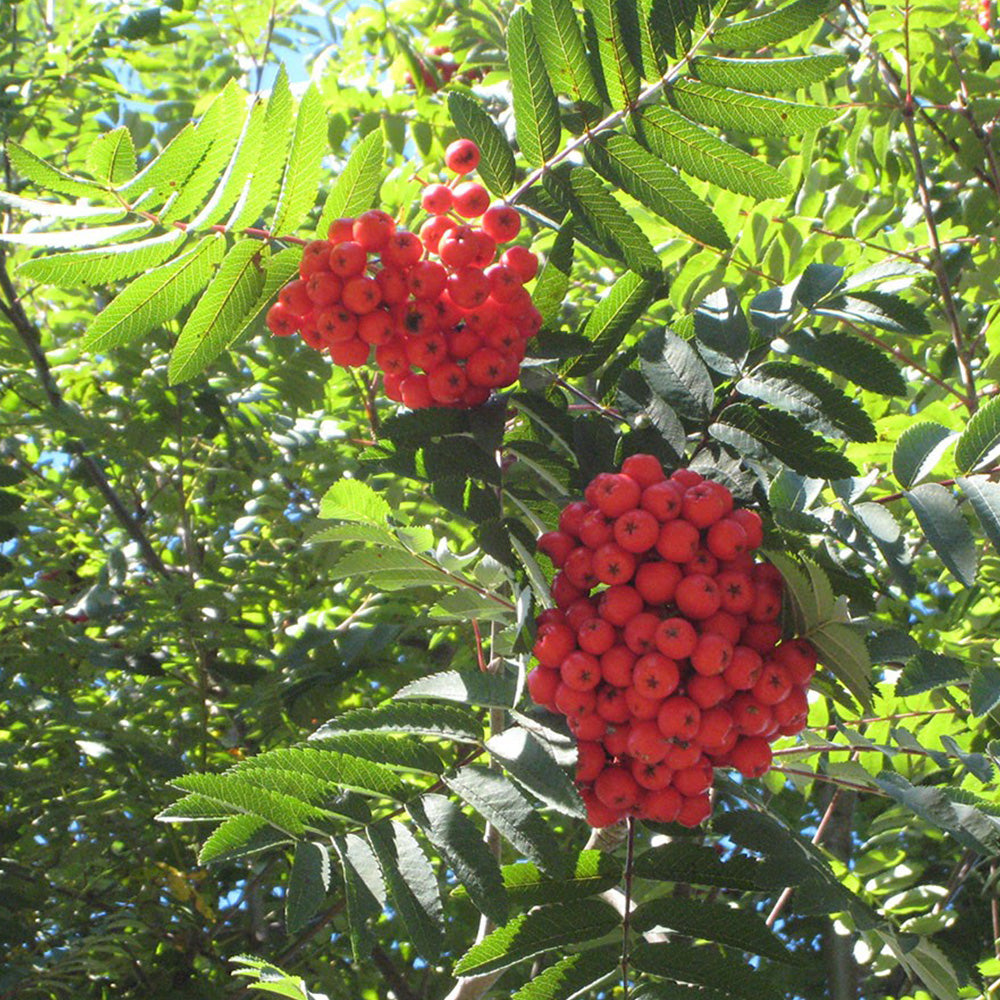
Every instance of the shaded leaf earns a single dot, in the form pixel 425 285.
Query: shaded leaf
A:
pixel 534 933
pixel 984 497
pixel 461 845
pixel 695 864
pixel 593 872
pixel 307 884
pixel 528 761
pixel 553 282
pixel 561 44
pixel 849 356
pixel 501 803
pixel 621 78
pixel 466 687
pixel 412 885
pixel 918 449
pixel 946 529
pixel 842 651
pixel 447 721
pixel 878 309
pixel 364 891
pixel 705 967
pixel 984 691
pixel 759 431
pixel 979 443
pixel 722 332
pixel 573 975
pixel 676 374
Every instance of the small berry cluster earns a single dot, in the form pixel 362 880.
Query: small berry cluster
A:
pixel 440 68
pixel 446 321
pixel 676 665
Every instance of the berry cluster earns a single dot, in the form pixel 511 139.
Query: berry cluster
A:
pixel 664 650
pixel 440 68
pixel 446 321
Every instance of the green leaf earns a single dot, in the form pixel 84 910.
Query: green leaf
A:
pixel 536 113
pixel 616 231
pixel 809 588
pixel 979 443
pixel 461 845
pixel 156 296
pixel 308 882
pixel 61 210
pixel 48 177
pixel 532 765
pixel 537 932
pixel 358 185
pixel 283 811
pixel 389 569
pixel 394 751
pixel 984 496
pixel 611 320
pixel 64 238
pixel 767 76
pixel 884 529
pixel 111 157
pixel 621 78
pixel 412 885
pixel 239 837
pixel 918 449
pixel 553 282
pixel 676 374
pixel 573 975
pixel 776 26
pixel 850 357
pixel 104 264
pixel 842 651
pixel 758 432
pixel 262 175
pixel 279 270
pixel 446 721
pixel 694 864
pixel 304 169
pixel 705 967
pixel 746 113
pixel 878 309
pixel 810 396
pixel 622 161
pixel 465 687
pixel 221 311
pixel 712 921
pixel 696 151
pixel 946 529
pixel 593 873
pixel 339 770
pixel 354 500
pixel 167 173
pixel 496 163
pixel 223 124
pixel 501 803
pixel 984 691
pixel 561 43
pixel 364 891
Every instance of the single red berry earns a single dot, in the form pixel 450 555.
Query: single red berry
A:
pixel 563 592
pixel 458 247
pixel 416 393
pixel 612 564
pixel 612 705
pixel 373 229
pixel 702 505
pixel 579 568
pixel 678 541
pixel 702 562
pixel 761 636
pixel 798 656
pixel 471 200
pixel 716 725
pixel 573 702
pixel 426 280
pixel 646 743
pixel 572 515
pixel 581 671
pixel 501 222
pixel 663 500
pixel 712 654
pixel 596 636
pixel 375 327
pixel 295 295
pixel 487 367
pixel 598 814
pixel 505 283
pixel 640 704
pixel 462 156
pixel 617 665
pixel 661 805
pixel 652 777
pixel 751 756
pixel 361 295
pixel 744 668
pixel 468 287
pixel 692 781
pixel 619 603
pixel 436 199
pixel 615 494
pixel 766 604
pixel 729 626
pixel 315 257
pixel 521 260
pixel 615 740
pixel 792 714
pixel 542 684
pixel 726 539
pixel 750 717
pixel 655 675
pixel 697 596
pixel 735 591
pixel 486 249
pixel 578 611
pixel 676 638
pixel 336 324
pixel 350 353
pixel 616 788
pixel 281 321
pixel 553 644
pixel 773 685
pixel 323 288
pixel 679 718
pixel 686 477
pixel 751 523
pixel 657 581
pixel 391 357
pixel 556 545
pixel 707 691
pixel 636 530
pixel 590 760
pixel 640 632
pixel 694 810
pixel 340 231
pixel 433 230
pixel 402 250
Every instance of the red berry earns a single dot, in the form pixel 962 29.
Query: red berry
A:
pixel 402 250
pixel 750 717
pixel 571 517
pixel 616 666
pixel 373 229
pixel 375 327
pixel 773 685
pixel 702 505
pixel 640 704
pixel 416 394
pixel 281 321
pixel 502 223
pixel 678 541
pixel 436 199
pixel 716 725
pixel 340 231
pixel 712 654
pixel 619 603
pixel 655 676
pixel 798 656
pixel 615 494
pixel 579 568
pixel 556 545
pixel 676 638
pixel 315 257
pixel 590 760
pixel 295 295
pixel 563 592
pixel 751 523
pixel 521 260
pixel 640 632
pixel 426 280
pixel 657 581
pixel 553 644
pixel 348 259
pixel 735 591
pixel 462 156
pixel 653 777
pixel 471 200
pixel 661 806
pixel 686 477
pixel 694 810
pixel 542 684
pixel 612 705
pixel 744 668
pixel 350 353
pixel 636 530
pixel 707 691
pixel 726 539
pixel 361 295
pixel 596 636
pixel 751 756
pixel 697 596
pixel 679 718
pixel 646 743
pixel 612 564
pixel 432 231
pixel 468 287
pixel 692 781
pixel 581 671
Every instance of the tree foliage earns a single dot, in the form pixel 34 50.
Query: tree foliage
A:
pixel 264 634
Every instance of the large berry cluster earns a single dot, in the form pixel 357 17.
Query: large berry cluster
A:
pixel 664 650
pixel 445 320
